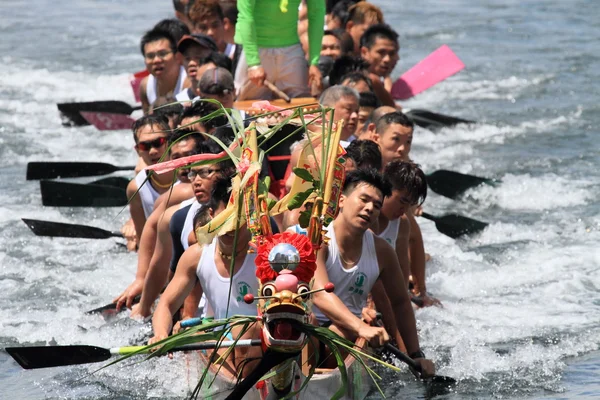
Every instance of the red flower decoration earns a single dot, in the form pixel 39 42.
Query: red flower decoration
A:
pixel 308 262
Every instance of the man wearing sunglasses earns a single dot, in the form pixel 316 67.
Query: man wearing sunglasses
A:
pixel 175 226
pixel 150 135
pixel 167 76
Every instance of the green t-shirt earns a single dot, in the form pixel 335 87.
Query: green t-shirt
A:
pixel 274 23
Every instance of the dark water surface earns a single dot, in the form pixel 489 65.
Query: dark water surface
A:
pixel 522 300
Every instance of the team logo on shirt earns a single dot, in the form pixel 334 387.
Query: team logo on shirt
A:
pixel 242 289
pixel 359 282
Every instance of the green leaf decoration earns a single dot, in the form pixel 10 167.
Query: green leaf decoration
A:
pixel 304 174
pixel 304 219
pixel 271 203
pixel 299 199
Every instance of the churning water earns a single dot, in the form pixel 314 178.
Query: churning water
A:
pixel 522 299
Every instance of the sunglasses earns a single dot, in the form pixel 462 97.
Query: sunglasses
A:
pixel 156 144
pixel 202 173
pixel 160 54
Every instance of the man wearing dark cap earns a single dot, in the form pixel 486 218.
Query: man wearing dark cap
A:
pixel 191 49
pixel 217 84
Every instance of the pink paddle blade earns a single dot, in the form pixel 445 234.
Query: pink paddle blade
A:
pixel 107 121
pixel 136 81
pixel 433 69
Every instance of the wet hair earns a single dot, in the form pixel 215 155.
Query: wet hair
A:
pixel 179 6
pixel 378 31
pixel 368 176
pixel 175 27
pixel 334 93
pixel 219 59
pixel 339 10
pixel 369 100
pixel 161 122
pixel 407 176
pixel 230 10
pixel 393 118
pixel 364 12
pixel 167 107
pixel 355 77
pixel 345 65
pixel 365 154
pixel 201 109
pixel 156 34
pixel 346 42
pixel 205 8
pixel 186 133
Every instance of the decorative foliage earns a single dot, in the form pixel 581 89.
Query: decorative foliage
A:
pixel 305 269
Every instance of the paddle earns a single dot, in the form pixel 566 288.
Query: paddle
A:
pixel 452 184
pixel 111 308
pixel 70 169
pixel 71 111
pixel 414 365
pixel 60 229
pixel 104 121
pixel 430 120
pixel 434 68
pixel 58 356
pixel 115 181
pixel 67 194
pixel 455 225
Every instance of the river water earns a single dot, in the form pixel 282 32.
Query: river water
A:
pixel 522 299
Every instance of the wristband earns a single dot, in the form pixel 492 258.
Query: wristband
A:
pixel 417 354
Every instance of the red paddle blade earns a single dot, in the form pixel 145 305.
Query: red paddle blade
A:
pixel 433 69
pixel 108 121
pixel 136 81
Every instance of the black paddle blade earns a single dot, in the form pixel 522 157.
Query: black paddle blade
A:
pixel 455 225
pixel 452 184
pixel 114 181
pixel 59 229
pixel 71 169
pixel 106 106
pixel 57 356
pixel 67 194
pixel 111 308
pixel 431 120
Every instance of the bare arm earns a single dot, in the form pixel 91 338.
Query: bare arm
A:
pixel 144 96
pixel 136 209
pixel 396 290
pixel 382 303
pixel 417 255
pixel 178 289
pixel 158 268
pixel 402 244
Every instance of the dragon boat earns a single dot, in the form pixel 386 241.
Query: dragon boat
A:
pixel 285 266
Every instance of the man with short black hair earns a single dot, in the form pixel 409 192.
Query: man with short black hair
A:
pixel 363 154
pixel 360 17
pixel 167 76
pixel 355 260
pixel 379 47
pixel 394 134
pixel 367 103
pixel 331 45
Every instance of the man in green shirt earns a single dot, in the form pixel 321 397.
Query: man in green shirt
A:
pixel 268 32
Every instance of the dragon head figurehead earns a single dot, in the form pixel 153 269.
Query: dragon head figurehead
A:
pixel 285 266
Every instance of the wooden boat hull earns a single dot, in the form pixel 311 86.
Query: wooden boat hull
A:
pixel 323 384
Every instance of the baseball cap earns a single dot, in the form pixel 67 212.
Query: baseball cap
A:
pixel 202 40
pixel 216 81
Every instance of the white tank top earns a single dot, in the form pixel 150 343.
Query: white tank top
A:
pixel 146 192
pixel 151 90
pixel 216 287
pixel 390 233
pixel 352 285
pixel 188 225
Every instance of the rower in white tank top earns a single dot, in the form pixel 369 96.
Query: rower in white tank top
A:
pixel 352 285
pixel 390 233
pixel 151 89
pixel 216 287
pixel 146 192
